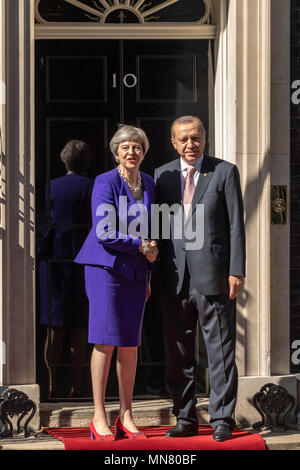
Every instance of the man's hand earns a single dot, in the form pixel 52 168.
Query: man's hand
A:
pixel 148 293
pixel 235 286
pixel 152 253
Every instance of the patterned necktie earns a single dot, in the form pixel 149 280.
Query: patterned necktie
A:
pixel 189 189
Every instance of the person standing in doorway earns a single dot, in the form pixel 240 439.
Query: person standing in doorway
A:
pixel 63 302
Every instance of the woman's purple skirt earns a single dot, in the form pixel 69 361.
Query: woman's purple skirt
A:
pixel 116 307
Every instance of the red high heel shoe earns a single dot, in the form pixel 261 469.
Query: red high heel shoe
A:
pixel 120 431
pixel 99 437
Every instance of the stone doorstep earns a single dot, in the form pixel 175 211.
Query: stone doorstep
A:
pixel 151 412
pixel 289 440
pixel 42 441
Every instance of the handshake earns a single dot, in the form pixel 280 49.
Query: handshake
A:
pixel 149 249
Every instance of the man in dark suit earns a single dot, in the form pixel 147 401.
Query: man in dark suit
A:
pixel 201 281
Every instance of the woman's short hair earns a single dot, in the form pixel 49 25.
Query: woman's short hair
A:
pixel 129 133
pixel 77 156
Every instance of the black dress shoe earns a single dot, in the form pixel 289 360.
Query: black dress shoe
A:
pixel 222 433
pixel 183 430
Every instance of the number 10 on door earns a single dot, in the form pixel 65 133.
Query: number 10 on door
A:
pixel 129 80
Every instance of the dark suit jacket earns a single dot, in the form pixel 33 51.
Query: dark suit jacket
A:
pixel 69 200
pixel 223 251
pixel 70 216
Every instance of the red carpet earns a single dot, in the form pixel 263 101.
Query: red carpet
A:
pixel 79 439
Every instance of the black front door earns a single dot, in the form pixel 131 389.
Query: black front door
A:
pixel 83 90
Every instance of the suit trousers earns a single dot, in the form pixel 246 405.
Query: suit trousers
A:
pixel 217 318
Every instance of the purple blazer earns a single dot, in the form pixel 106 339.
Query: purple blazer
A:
pixel 117 249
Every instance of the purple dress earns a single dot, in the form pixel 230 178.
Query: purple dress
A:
pixel 116 273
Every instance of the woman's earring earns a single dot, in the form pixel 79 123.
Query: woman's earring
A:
pixel 117 159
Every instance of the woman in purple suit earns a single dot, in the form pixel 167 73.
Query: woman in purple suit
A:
pixel 117 255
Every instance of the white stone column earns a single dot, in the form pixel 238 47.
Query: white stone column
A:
pixel 17 210
pixel 252 150
pixel 243 137
pixel 248 92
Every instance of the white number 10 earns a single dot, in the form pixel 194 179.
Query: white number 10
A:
pixel 129 84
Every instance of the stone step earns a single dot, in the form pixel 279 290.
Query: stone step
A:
pixel 150 412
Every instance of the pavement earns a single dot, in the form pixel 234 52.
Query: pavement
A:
pixel 154 412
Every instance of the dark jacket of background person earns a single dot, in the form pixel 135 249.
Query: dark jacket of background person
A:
pixel 69 203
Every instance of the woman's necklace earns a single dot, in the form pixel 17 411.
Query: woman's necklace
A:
pixel 135 189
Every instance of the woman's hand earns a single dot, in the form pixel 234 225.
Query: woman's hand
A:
pixel 149 250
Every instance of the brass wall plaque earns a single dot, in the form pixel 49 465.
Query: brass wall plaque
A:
pixel 278 205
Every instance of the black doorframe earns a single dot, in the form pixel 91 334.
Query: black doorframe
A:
pixel 55 113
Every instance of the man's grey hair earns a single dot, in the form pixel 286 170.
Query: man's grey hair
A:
pixel 188 120
pixel 129 133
